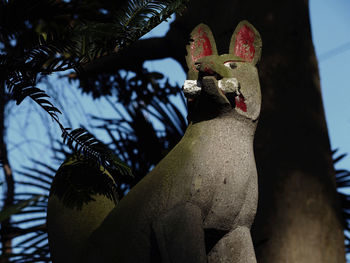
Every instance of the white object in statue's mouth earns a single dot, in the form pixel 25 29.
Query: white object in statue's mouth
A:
pixel 192 88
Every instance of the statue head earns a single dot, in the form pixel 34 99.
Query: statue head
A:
pixel 227 82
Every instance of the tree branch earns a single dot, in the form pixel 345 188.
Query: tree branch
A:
pixel 140 51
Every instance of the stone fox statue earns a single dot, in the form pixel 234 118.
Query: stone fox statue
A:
pixel 198 203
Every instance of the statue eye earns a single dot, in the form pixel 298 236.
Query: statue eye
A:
pixel 231 64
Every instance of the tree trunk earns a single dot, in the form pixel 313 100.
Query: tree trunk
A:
pixel 298 217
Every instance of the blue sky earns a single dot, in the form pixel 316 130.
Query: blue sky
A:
pixel 330 20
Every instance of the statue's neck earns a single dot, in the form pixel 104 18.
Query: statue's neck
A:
pixel 230 124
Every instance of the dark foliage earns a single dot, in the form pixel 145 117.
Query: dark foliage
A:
pixel 133 137
pixel 343 183
pixel 66 35
pixel 149 123
pixel 41 37
pixel 93 151
pixel 28 225
pixel 78 180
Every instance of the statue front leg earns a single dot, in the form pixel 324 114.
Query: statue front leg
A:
pixel 180 236
pixel 236 246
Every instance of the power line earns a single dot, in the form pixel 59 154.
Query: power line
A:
pixel 334 52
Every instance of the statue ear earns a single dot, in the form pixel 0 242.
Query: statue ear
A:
pixel 246 43
pixel 201 44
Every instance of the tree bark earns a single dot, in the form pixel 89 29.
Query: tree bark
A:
pixel 298 217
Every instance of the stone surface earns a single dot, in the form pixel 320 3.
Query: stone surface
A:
pixel 70 228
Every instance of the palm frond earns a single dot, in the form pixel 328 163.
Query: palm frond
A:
pixel 16 208
pixel 166 8
pixel 29 223
pixel 145 99
pixel 80 44
pixel 84 143
pixel 78 180
pixel 135 140
pixel 342 177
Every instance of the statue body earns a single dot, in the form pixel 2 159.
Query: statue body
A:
pixel 198 203
pixel 184 196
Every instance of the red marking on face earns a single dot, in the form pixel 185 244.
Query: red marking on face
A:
pixel 244 46
pixel 201 46
pixel 240 103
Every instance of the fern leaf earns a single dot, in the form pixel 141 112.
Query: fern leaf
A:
pixel 78 180
pixel 84 143
pixel 16 208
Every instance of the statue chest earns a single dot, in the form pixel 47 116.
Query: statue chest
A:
pixel 224 187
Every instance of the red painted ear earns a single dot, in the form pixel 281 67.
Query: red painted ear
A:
pixel 246 43
pixel 201 44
